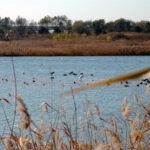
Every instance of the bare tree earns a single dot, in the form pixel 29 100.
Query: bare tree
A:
pixel 21 25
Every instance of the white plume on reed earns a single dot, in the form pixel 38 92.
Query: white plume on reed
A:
pixel 96 109
pixel 125 108
pixel 82 124
pixel 89 114
pixel 148 89
pixel 102 146
pixel 114 139
pixel 25 120
pixel 44 107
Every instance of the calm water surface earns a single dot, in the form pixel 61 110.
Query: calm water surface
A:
pixel 27 69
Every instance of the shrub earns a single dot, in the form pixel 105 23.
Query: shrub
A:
pixel 109 38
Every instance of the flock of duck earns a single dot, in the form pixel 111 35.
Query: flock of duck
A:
pixel 80 77
pixel 125 83
pixel 142 82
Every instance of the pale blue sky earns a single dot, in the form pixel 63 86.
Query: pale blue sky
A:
pixel 77 9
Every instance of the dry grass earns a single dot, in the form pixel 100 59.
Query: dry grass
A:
pixel 92 132
pixel 120 44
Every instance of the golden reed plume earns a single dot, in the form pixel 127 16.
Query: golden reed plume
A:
pixel 144 73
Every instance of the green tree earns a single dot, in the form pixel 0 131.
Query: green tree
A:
pixel 78 27
pixel 110 27
pixel 47 20
pixel 122 25
pixel 32 28
pixel 61 22
pixel 99 26
pixel 6 25
pixel 88 27
pixel 69 26
pixel 83 27
pixel 21 26
pixel 144 26
pixel 43 30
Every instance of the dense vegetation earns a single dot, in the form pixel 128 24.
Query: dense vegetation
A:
pixel 61 24
pixel 59 36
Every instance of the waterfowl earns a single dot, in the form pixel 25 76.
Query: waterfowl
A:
pixel 74 74
pixel 71 72
pixel 52 78
pixel 52 73
pixel 81 76
pixel 126 85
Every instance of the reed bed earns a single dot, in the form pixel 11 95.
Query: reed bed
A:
pixel 129 131
pixel 91 132
pixel 109 44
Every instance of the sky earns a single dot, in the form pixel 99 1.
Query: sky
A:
pixel 109 10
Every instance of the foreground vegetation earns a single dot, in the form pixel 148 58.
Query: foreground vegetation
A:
pixel 115 43
pixel 129 131
pixel 92 132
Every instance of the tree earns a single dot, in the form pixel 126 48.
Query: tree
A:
pixel 43 30
pixel 69 26
pixel 1 30
pixel 6 25
pixel 32 29
pixel 61 22
pixel 88 27
pixel 83 27
pixel 122 25
pixel 110 27
pixel 78 27
pixel 45 21
pixel 99 26
pixel 144 26
pixel 21 26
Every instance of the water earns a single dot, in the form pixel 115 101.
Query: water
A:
pixel 27 69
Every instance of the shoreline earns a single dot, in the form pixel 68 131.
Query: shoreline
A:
pixel 114 44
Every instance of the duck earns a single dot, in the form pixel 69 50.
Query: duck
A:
pixel 81 76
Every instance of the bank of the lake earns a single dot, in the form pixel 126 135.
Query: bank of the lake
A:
pixel 77 45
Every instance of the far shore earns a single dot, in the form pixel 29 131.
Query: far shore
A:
pixel 83 45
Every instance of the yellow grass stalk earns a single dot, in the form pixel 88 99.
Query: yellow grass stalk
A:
pixel 96 109
pixel 89 114
pixel 136 98
pixel 140 133
pixel 148 89
pixel 82 124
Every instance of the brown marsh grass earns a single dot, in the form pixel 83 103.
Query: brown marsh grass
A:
pixel 115 44
pixel 130 131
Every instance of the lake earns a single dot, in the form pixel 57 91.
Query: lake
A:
pixel 35 85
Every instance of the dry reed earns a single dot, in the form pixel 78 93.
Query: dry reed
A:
pixel 137 44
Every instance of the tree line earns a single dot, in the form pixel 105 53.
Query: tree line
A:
pixel 61 24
